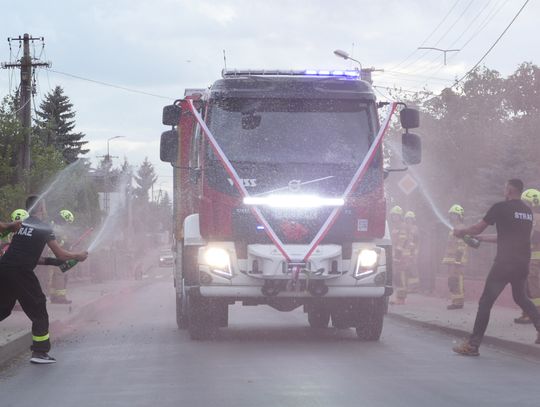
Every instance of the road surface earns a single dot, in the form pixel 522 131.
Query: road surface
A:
pixel 133 355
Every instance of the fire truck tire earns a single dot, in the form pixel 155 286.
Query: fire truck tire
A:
pixel 319 318
pixel 371 319
pixel 201 319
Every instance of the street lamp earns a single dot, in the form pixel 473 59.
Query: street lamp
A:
pixel 444 51
pixel 345 55
pixel 107 169
pixel 108 140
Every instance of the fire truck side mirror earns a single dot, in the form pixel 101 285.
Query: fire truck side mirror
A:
pixel 168 146
pixel 411 146
pixel 410 118
pixel 171 115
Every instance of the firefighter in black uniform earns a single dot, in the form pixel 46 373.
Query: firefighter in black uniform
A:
pixel 18 281
pixel 513 220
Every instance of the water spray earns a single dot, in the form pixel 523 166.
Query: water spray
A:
pixel 469 240
pixel 61 175
pixel 107 224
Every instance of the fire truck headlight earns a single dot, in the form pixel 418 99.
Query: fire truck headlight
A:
pixel 366 263
pixel 219 261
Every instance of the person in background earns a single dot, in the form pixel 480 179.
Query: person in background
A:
pixel 413 280
pixel 455 258
pixel 399 238
pixel 514 221
pixel 532 198
pixel 58 279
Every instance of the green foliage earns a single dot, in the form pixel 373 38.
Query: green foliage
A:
pixel 55 125
pixel 478 135
pixel 145 179
pixel 51 150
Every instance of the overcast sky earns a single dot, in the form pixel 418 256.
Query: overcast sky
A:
pixel 164 46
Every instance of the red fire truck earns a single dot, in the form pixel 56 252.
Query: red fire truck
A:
pixel 279 198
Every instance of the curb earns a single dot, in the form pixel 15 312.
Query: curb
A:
pixel 15 347
pixel 516 347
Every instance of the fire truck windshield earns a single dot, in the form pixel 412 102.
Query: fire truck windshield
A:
pixel 293 130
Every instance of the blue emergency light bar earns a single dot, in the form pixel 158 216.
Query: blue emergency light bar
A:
pixel 351 74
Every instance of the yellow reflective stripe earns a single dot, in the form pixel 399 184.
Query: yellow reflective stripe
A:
pixel 40 338
pixel 536 301
pixel 60 292
pixel 535 256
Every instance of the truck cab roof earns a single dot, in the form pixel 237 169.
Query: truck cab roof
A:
pixel 289 84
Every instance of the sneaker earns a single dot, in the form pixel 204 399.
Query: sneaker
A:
pixel 42 358
pixel 454 306
pixel 524 319
pixel 466 349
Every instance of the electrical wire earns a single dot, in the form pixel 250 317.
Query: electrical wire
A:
pixel 460 16
pixel 429 35
pixel 427 66
pixel 493 45
pixel 22 107
pixel 111 85
pixel 485 22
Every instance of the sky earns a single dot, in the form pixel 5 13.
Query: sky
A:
pixel 164 46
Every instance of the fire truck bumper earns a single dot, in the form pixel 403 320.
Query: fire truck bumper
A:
pixel 255 292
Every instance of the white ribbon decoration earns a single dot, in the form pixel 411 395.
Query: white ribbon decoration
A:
pixel 358 175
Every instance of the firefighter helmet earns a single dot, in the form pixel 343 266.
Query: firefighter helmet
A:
pixel 67 216
pixel 457 210
pixel 19 214
pixel 531 196
pixel 396 210
pixel 410 215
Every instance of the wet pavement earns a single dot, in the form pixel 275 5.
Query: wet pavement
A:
pixel 132 354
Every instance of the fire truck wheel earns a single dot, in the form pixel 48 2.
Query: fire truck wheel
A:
pixel 319 318
pixel 201 321
pixel 372 317
pixel 182 320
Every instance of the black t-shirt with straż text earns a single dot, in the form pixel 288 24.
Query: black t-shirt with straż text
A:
pixel 513 220
pixel 27 244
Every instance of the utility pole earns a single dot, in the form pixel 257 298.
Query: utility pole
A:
pixel 107 165
pixel 26 65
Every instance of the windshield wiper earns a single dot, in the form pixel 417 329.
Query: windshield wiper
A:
pixel 295 184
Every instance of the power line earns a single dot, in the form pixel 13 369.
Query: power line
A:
pixel 429 35
pixel 493 45
pixel 483 24
pixel 460 16
pixel 111 85
pixel 429 64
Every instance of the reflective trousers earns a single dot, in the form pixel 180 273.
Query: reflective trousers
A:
pixel 533 282
pixel 456 284
pixel 23 286
pixel 499 276
pixel 58 285
pixel 402 272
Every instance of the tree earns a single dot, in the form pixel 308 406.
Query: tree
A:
pixel 144 179
pixel 55 125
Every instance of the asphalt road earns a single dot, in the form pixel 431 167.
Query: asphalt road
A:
pixel 133 355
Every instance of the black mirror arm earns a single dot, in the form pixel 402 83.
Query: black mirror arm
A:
pixel 186 168
pixel 405 168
